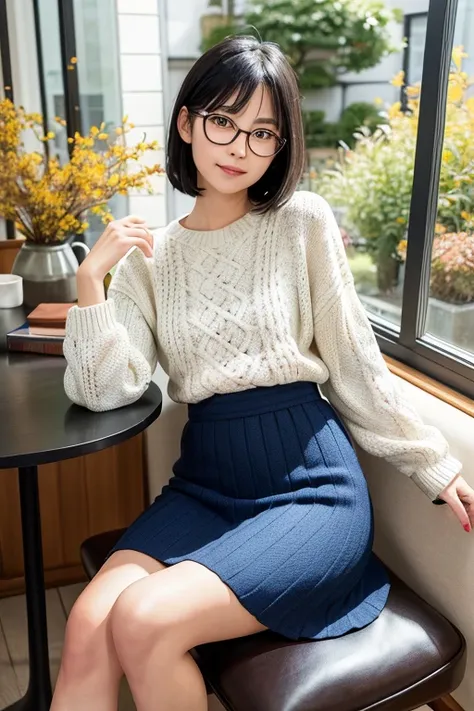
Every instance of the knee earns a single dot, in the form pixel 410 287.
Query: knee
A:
pixel 140 624
pixel 84 629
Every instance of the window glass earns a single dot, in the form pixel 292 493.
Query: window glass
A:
pixel 368 181
pixel 53 77
pixel 451 303
pixel 99 82
pixel 416 47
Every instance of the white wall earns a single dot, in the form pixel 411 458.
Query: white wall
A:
pixel 141 66
pixel 425 544
pixel 184 31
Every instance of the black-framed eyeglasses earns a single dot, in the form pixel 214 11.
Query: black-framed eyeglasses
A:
pixel 222 130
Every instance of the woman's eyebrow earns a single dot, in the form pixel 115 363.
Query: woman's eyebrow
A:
pixel 272 121
pixel 266 120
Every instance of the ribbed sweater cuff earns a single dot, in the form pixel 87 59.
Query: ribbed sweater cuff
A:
pixel 432 480
pixel 89 321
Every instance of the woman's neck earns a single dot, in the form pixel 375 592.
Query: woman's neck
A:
pixel 215 211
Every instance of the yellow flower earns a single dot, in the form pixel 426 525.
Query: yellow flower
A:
pixel 401 220
pixel 73 60
pixel 378 101
pixel 440 229
pixel 395 110
pixel 458 55
pixel 455 93
pixel 465 215
pixel 103 136
pixel 398 79
pixel 469 104
pixel 48 200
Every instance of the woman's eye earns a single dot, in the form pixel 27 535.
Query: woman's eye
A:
pixel 263 135
pixel 221 121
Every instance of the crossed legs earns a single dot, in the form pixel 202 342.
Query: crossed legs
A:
pixel 140 618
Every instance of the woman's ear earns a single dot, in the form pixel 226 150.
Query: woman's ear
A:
pixel 184 125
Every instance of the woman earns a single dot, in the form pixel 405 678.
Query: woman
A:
pixel 249 305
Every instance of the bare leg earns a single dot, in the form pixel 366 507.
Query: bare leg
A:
pixel 157 620
pixel 90 672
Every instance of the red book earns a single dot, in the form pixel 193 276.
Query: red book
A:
pixel 49 315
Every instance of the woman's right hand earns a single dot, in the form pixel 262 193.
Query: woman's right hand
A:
pixel 113 244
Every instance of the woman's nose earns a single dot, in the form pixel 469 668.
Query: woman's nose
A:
pixel 239 146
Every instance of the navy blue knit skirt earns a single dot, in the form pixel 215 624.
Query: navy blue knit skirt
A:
pixel 268 493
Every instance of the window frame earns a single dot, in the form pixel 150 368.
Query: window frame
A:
pixel 7 80
pixel 67 39
pixel 410 344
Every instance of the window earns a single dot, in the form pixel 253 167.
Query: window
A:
pixel 437 320
pixel 405 196
pixel 415 33
pixel 374 211
pixel 86 93
pixel 450 316
pixel 7 228
pixel 98 74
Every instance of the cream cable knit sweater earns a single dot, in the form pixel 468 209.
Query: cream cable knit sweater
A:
pixel 269 299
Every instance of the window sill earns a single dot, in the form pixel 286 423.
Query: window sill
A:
pixel 442 392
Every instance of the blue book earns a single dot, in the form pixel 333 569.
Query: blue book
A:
pixel 20 339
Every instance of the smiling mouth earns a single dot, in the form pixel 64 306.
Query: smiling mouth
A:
pixel 229 170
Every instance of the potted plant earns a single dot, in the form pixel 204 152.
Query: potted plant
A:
pixel 451 306
pixel 49 202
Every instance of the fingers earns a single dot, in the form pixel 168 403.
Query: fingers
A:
pixel 140 235
pixel 459 509
pixel 132 219
pixel 465 495
pixel 147 234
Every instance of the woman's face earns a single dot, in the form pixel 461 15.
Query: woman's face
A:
pixel 214 162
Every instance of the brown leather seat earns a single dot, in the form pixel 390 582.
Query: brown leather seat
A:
pixel 408 657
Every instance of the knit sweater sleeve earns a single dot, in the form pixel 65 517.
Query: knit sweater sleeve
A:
pixel 110 348
pixel 360 386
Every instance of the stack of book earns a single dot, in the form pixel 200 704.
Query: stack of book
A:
pixel 43 332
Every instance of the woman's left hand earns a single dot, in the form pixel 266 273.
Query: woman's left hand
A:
pixel 460 497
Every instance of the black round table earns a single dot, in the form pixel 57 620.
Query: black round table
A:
pixel 39 424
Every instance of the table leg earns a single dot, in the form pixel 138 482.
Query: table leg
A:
pixel 38 696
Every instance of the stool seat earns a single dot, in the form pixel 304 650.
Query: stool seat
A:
pixel 410 655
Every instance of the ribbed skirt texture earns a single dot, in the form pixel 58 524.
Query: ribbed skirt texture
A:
pixel 268 493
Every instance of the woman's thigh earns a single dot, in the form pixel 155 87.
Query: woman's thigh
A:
pixel 186 604
pixel 122 569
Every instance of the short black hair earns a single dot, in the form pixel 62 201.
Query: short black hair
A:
pixel 242 63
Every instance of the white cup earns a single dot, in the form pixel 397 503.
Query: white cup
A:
pixel 11 291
